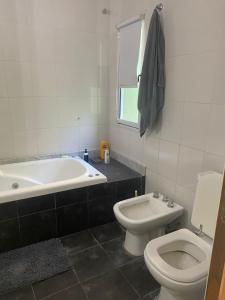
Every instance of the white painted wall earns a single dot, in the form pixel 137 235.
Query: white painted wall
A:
pixel 53 76
pixel 191 137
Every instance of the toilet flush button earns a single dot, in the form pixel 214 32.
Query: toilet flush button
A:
pixel 90 175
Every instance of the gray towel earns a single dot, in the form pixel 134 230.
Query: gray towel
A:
pixel 152 83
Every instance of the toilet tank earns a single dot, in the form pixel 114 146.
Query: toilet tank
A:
pixel 207 201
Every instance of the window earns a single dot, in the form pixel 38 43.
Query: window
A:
pixel 128 105
pixel 129 67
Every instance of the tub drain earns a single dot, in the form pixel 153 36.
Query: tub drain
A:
pixel 15 186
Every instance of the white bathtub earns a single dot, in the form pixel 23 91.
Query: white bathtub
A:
pixel 40 177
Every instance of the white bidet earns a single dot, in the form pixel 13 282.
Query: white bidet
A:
pixel 144 218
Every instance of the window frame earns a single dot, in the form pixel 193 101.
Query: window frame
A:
pixel 120 121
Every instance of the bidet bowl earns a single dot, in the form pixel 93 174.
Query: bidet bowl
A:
pixel 144 217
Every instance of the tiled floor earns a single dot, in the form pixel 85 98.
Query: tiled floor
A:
pixel 101 271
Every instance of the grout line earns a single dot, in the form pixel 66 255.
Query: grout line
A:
pixel 128 282
pixel 59 291
pixel 75 272
pixel 33 292
pixel 81 251
pixel 85 294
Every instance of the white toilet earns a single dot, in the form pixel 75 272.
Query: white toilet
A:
pixel 144 218
pixel 180 261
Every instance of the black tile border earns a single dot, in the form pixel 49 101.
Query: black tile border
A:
pixel 62 213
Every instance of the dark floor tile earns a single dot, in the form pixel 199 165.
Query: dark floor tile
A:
pixel 78 241
pixel 107 232
pixel 152 296
pixel 144 283
pixel 25 293
pixel 52 285
pixel 38 227
pixel 9 235
pixel 90 263
pixel 116 252
pixel 72 218
pixel 110 286
pixel 72 293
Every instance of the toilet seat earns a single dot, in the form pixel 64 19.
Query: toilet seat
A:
pixel 183 241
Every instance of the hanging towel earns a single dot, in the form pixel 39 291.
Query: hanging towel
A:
pixel 152 79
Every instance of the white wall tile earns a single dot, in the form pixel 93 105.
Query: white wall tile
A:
pixel 69 138
pixel 136 146
pixel 5 114
pixel 46 112
pixel 19 79
pixel 200 73
pixel 212 162
pixel 185 197
pixel 176 84
pixel 3 80
pixel 189 166
pixel 25 143
pixel 151 153
pixel 168 157
pixel 156 183
pixel 195 125
pixel 48 141
pixel 69 111
pixel 89 137
pixel 215 136
pixel 219 86
pixel 6 138
pixel 43 45
pixel 53 75
pixel 172 117
pixel 23 112
pixel 44 79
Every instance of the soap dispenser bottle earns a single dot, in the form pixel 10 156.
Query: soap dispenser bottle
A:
pixel 86 157
pixel 106 156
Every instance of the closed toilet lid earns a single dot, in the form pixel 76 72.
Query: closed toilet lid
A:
pixel 180 256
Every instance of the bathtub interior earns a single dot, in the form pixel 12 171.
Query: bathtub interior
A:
pixel 44 171
pixel 8 183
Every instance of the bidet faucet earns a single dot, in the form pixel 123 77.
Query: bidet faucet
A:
pixel 170 203
pixel 165 198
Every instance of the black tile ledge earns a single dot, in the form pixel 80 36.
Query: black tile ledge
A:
pixel 115 171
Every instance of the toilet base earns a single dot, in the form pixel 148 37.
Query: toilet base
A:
pixel 166 294
pixel 135 243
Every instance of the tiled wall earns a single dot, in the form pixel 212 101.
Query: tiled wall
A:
pixel 53 76
pixel 191 136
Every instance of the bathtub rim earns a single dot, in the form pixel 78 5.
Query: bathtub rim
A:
pixel 54 187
